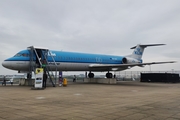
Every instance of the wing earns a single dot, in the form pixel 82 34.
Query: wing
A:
pixel 125 66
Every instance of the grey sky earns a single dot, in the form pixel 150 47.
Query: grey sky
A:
pixel 93 26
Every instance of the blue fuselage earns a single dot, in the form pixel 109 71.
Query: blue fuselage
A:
pixel 66 61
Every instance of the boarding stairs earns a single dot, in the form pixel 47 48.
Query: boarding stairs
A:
pixel 39 59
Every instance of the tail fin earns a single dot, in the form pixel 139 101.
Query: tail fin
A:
pixel 139 49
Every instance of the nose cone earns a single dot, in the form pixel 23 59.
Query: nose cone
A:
pixel 6 64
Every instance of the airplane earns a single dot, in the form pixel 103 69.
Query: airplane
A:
pixel 73 61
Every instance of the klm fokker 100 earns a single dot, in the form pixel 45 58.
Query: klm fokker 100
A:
pixel 72 61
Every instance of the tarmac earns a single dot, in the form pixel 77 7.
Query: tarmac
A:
pixel 83 101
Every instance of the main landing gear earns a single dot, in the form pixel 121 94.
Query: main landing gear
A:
pixel 91 75
pixel 108 75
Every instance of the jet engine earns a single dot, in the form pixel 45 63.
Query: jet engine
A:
pixel 129 60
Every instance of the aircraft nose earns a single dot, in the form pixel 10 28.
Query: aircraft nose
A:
pixel 6 64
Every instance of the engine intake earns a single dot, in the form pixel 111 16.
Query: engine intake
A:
pixel 124 61
pixel 128 60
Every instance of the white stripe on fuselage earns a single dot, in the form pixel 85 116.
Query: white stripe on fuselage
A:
pixel 61 66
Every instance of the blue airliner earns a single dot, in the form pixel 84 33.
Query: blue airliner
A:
pixel 73 61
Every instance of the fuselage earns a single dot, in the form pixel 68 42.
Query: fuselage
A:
pixel 35 57
pixel 65 61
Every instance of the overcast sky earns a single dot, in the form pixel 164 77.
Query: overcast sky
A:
pixel 92 26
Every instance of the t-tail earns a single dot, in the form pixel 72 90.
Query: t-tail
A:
pixel 139 49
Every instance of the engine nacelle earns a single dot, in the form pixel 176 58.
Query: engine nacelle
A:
pixel 128 60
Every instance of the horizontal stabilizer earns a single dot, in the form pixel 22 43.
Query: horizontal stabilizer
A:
pixel 144 46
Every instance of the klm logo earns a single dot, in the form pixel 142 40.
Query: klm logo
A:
pixel 138 51
pixel 51 54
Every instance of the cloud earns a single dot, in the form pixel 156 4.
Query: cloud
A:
pixel 93 26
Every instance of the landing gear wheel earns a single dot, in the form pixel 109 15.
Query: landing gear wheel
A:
pixel 109 75
pixel 91 75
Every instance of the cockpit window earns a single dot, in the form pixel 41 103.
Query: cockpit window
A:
pixel 25 54
pixel 17 55
pixel 21 54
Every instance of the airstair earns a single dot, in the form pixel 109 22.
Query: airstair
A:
pixel 39 59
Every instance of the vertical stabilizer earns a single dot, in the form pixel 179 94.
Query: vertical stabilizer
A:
pixel 139 49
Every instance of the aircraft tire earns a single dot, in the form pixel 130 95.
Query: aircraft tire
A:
pixel 91 75
pixel 109 75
